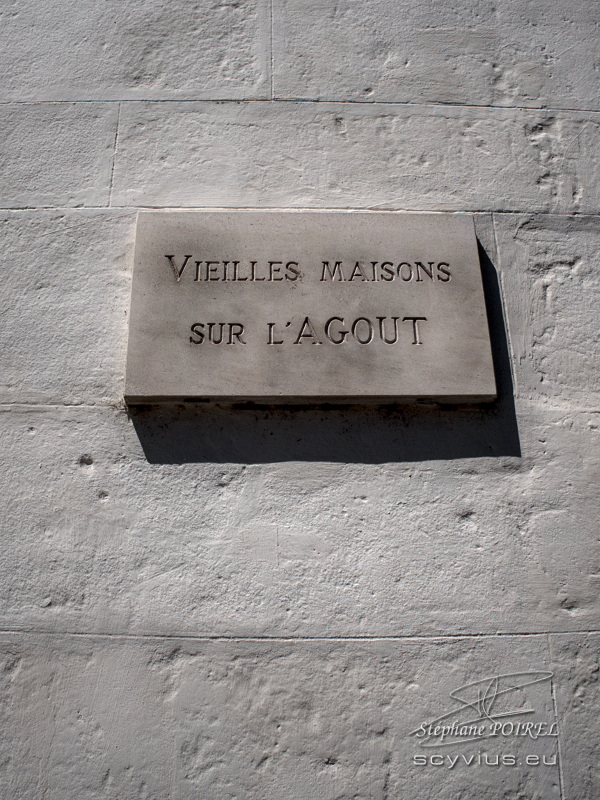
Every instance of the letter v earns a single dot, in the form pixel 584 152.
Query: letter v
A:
pixel 178 272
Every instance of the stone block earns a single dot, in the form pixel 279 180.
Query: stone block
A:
pixel 57 154
pixel 140 49
pixel 574 661
pixel 551 293
pixel 483 53
pixel 251 522
pixel 377 156
pixel 64 301
pixel 262 720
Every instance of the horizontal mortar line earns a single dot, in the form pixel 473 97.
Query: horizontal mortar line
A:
pixel 432 104
pixel 303 101
pixel 113 208
pixel 120 405
pixel 524 402
pixel 281 638
pixel 116 406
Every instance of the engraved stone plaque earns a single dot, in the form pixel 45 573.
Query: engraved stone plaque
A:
pixel 302 306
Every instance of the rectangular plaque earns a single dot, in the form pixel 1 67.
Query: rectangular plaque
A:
pixel 295 306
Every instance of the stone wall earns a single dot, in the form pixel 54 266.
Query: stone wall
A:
pixel 264 604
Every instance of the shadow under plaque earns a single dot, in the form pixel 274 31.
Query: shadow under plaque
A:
pixel 249 433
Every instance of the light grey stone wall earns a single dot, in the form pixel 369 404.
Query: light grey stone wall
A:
pixel 264 604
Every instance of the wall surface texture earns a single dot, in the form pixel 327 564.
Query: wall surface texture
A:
pixel 265 604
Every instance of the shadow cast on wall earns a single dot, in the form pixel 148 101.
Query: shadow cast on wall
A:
pixel 363 434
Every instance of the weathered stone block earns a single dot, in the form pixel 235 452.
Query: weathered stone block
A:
pixel 356 156
pixel 253 522
pixel 574 661
pixel 551 293
pixel 57 154
pixel 485 53
pixel 185 718
pixel 65 297
pixel 82 50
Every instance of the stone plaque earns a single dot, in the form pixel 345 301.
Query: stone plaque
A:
pixel 304 306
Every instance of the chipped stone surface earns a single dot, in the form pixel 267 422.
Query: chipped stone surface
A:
pixel 128 49
pixel 576 665
pixel 356 156
pixel 121 718
pixel 381 527
pixel 65 338
pixel 552 289
pixel 56 154
pixel 522 53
